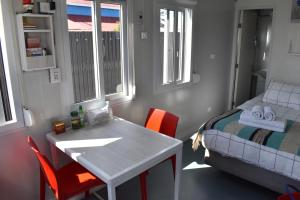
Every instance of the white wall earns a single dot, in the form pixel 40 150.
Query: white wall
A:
pixel 282 66
pixel 213 22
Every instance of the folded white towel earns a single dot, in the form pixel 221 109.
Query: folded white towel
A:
pixel 257 112
pixel 278 123
pixel 269 114
pixel 247 119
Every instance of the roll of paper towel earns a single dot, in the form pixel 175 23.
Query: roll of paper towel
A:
pixel 28 117
pixel 99 115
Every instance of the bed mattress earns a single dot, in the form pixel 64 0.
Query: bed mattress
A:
pixel 231 145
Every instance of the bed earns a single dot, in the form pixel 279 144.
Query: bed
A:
pixel 272 163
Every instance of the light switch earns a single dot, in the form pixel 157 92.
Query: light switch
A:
pixel 55 75
pixel 144 35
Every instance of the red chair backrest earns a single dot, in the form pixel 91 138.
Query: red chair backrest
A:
pixel 48 169
pixel 296 196
pixel 162 121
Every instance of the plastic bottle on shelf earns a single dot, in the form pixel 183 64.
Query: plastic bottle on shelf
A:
pixel 81 115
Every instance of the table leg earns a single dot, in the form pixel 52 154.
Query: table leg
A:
pixel 54 155
pixel 111 191
pixel 178 174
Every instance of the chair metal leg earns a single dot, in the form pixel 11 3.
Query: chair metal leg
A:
pixel 143 184
pixel 87 194
pixel 42 185
pixel 94 191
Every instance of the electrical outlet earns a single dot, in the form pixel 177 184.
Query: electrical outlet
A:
pixel 55 75
pixel 212 56
pixel 209 109
pixel 196 78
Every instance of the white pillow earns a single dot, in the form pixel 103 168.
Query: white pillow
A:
pixel 283 94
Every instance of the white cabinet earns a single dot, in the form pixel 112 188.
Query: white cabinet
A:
pixel 36 41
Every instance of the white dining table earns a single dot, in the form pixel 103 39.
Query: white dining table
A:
pixel 117 151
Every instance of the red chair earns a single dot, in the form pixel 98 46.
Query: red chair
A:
pixel 65 182
pixel 292 193
pixel 163 122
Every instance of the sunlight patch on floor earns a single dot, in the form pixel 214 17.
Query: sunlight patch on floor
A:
pixel 195 165
pixel 193 137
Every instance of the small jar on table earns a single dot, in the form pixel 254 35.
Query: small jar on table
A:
pixel 75 120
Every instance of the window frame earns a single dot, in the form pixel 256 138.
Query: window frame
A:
pixel 158 85
pixel 11 67
pixel 124 54
pixel 127 64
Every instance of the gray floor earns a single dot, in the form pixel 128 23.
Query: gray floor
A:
pixel 197 184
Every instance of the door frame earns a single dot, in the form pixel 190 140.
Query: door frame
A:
pixel 238 11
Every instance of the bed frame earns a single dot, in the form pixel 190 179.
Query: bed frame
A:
pixel 260 176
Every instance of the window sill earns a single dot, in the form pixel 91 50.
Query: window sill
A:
pixel 119 99
pixel 12 128
pixel 171 87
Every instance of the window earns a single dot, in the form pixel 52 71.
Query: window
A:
pixel 98 44
pixel 10 101
pixel 173 44
pixel 5 108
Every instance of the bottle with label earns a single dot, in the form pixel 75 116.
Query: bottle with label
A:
pixel 81 116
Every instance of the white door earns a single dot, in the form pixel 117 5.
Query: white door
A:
pixel 245 56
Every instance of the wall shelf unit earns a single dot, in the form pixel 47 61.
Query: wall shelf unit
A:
pixel 36 41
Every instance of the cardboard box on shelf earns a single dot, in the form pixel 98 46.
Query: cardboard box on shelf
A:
pixel 33 42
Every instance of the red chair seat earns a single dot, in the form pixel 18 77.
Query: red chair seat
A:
pixel 68 181
pixel 74 179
